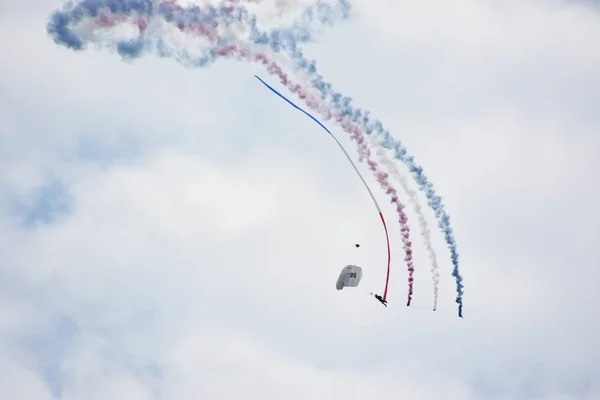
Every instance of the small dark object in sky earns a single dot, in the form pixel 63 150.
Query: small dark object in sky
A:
pixel 357 245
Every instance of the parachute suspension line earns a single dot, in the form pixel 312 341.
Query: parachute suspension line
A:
pixel 387 238
pixel 355 169
pixel 387 276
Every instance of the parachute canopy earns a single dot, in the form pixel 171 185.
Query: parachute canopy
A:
pixel 349 277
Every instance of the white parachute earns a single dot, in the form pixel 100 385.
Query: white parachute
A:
pixel 350 276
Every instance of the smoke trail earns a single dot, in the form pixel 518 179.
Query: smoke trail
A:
pixel 342 104
pixel 362 117
pixel 147 13
pixel 414 200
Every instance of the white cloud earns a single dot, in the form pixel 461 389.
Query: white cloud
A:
pixel 209 224
pixel 21 382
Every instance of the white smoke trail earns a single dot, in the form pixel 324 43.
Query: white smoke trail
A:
pixel 414 200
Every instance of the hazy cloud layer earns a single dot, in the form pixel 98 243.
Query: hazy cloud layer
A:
pixel 168 233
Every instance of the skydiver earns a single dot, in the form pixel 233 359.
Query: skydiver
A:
pixel 381 300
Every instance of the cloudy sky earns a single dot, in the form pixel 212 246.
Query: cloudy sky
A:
pixel 173 233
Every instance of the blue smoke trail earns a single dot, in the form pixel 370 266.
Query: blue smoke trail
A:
pixel 361 117
pixel 61 24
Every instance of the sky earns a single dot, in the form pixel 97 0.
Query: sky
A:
pixel 176 233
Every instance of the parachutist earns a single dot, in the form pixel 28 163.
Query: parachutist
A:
pixel 381 300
